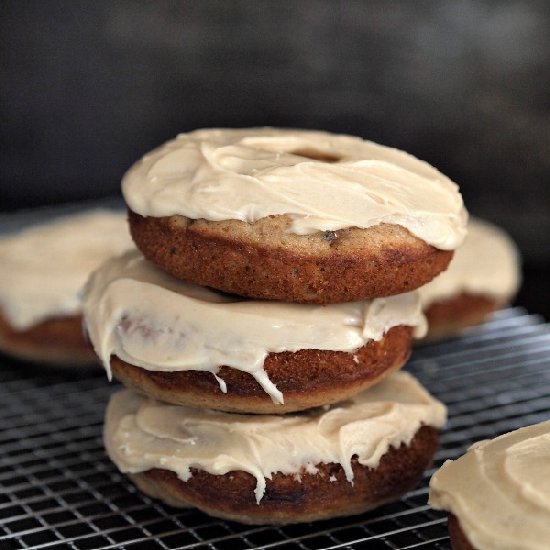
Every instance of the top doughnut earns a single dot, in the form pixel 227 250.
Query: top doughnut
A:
pixel 293 215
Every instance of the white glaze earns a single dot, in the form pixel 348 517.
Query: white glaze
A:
pixel 500 490
pixel 248 174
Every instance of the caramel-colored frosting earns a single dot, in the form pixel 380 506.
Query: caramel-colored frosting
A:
pixel 500 490
pixel 43 268
pixel 486 264
pixel 154 321
pixel 141 433
pixel 322 181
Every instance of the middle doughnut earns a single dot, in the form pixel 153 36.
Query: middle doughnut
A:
pixel 189 345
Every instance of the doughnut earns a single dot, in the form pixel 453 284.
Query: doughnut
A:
pixel 326 462
pixel 497 495
pixel 189 345
pixel 43 270
pixel 483 277
pixel 293 215
pixel 58 340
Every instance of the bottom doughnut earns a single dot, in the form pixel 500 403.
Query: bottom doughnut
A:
pixel 297 498
pixel 257 469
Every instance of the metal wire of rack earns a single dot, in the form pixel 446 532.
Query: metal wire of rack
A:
pixel 59 490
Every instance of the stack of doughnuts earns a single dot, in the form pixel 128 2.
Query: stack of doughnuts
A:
pixel 260 325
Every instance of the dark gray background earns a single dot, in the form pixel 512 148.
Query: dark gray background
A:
pixel 87 87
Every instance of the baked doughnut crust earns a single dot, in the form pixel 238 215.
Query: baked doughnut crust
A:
pixel 448 317
pixel 458 538
pixel 307 378
pixel 264 260
pixel 293 498
pixel 58 340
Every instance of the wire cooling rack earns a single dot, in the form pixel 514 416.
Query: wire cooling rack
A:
pixel 58 489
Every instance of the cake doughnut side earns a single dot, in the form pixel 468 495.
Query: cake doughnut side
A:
pixel 306 378
pixel 262 260
pixel 458 538
pixel 450 316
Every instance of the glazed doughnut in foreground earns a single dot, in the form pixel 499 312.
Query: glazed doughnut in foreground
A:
pixel 293 215
pixel 43 270
pixel 322 463
pixel 189 345
pixel 497 494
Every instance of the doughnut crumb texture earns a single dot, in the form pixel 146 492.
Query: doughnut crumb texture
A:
pixel 262 260
pixel 306 378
